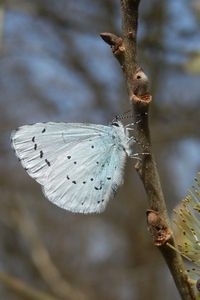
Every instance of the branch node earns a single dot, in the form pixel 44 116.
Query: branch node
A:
pixel 143 99
pixel 157 227
pixel 140 87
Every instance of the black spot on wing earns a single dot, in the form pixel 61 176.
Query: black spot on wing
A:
pixel 41 154
pixel 47 162
pixel 35 146
pixel 43 130
pixel 98 188
pixel 68 156
pixel 33 139
pixel 100 201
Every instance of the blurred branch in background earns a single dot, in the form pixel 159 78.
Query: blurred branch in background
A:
pixel 2 12
pixel 23 290
pixel 179 120
pixel 40 256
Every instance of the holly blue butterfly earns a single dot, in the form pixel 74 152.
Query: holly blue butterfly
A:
pixel 80 166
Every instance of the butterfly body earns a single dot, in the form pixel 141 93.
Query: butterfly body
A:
pixel 80 166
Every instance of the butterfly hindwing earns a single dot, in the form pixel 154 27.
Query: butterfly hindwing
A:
pixel 86 177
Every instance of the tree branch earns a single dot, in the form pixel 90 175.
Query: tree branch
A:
pixel 125 50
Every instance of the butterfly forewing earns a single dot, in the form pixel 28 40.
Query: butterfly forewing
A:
pixel 38 145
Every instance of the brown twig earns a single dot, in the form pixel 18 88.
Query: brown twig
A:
pixel 124 49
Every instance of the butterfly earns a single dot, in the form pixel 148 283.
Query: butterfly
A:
pixel 80 166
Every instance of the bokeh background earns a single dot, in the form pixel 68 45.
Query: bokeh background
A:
pixel 55 67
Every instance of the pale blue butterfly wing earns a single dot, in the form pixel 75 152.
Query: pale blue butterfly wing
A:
pixel 86 177
pixel 80 166
pixel 39 144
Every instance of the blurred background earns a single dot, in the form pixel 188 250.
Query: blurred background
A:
pixel 55 67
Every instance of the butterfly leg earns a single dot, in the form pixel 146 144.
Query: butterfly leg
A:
pixel 137 155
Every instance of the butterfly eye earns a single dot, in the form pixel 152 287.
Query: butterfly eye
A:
pixel 115 124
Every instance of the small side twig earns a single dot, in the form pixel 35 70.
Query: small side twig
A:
pixel 125 50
